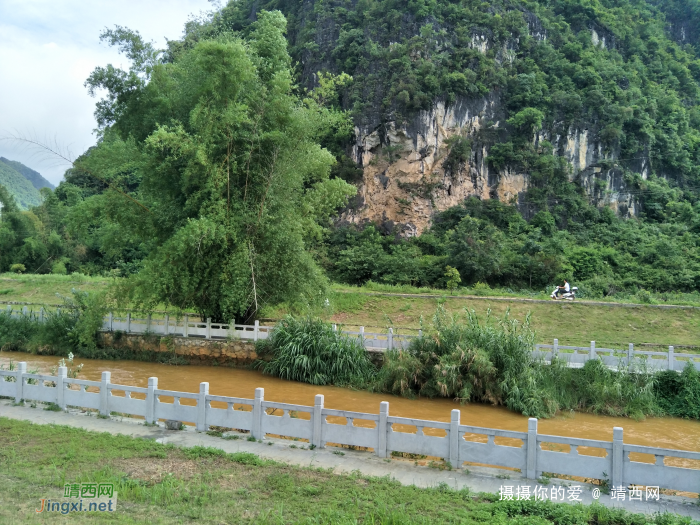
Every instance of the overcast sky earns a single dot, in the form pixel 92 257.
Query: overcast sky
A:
pixel 47 50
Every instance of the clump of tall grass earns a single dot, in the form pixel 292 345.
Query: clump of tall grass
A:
pixel 492 361
pixel 310 351
pixel 72 328
pixel 470 360
pixel 625 391
pixel 679 394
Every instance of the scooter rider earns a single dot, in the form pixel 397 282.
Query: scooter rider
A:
pixel 566 288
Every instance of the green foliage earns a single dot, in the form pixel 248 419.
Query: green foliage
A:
pixel 233 181
pixel 71 328
pixel 452 278
pixel 311 351
pixel 489 242
pixel 679 395
pixel 492 362
pixel 471 361
pixel 17 268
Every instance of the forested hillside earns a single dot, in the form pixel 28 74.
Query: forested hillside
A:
pixel 516 142
pixel 36 178
pixel 20 182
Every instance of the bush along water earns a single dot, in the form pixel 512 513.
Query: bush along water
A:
pixel 492 361
pixel 471 361
pixel 71 328
pixel 311 351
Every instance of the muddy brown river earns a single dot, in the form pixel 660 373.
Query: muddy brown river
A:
pixel 662 432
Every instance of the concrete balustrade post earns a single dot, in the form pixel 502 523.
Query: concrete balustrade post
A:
pixel 167 325
pixel 256 332
pixel 671 359
pixel 592 352
pixel 61 387
pixel 19 381
pixel 25 312
pixel 105 393
pixel 630 353
pixel 317 436
pixel 362 336
pixel 111 321
pixel 420 333
pixel 531 448
pixel 208 334
pixel 151 400
pixel 555 348
pixel 202 407
pixel 257 430
pixel 454 439
pixel 148 323
pixel 382 429
pixel 41 314
pixel 390 339
pixel 128 322
pixel 617 457
pixel 186 328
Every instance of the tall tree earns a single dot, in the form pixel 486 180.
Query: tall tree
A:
pixel 233 179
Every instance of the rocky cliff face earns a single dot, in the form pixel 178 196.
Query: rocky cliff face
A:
pixel 406 177
pixel 406 181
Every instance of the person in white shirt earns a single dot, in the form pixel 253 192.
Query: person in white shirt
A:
pixel 566 288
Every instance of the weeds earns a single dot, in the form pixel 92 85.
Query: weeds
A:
pixel 310 351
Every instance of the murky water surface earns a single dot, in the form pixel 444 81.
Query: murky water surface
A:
pixel 658 432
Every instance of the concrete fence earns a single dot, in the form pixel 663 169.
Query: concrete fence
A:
pixel 188 327
pixel 576 356
pixel 453 441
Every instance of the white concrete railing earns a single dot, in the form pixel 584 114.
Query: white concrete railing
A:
pixel 187 327
pixel 460 444
pixel 654 361
pixel 573 355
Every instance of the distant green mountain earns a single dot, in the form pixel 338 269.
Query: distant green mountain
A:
pixel 37 180
pixel 22 184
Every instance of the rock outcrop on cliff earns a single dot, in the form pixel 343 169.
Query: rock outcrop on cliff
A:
pixel 407 177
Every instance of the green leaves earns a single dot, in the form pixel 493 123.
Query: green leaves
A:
pixel 311 351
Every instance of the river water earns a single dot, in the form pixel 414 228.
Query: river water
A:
pixel 662 432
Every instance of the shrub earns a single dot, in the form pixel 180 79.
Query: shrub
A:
pixel 72 328
pixel 310 351
pixel 18 268
pixel 490 362
pixel 493 362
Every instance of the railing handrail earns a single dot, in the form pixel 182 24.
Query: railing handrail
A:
pixel 531 458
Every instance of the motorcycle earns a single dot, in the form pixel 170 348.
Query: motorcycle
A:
pixel 567 296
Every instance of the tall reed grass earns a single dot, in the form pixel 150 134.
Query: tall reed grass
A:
pixel 492 361
pixel 310 351
pixel 72 328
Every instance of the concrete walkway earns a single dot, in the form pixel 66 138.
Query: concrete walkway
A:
pixel 478 479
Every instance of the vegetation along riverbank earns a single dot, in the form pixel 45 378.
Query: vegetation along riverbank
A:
pixel 486 360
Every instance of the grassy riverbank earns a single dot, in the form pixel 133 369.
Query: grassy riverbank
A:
pixel 162 484
pixel 572 323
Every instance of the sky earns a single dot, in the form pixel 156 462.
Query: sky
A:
pixel 47 50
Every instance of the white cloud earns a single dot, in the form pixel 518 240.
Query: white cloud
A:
pixel 47 50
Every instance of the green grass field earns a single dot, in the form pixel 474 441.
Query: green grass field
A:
pixel 43 289
pixel 572 323
pixel 161 484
